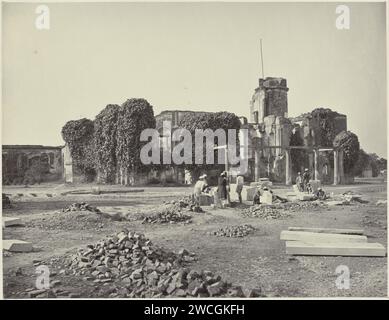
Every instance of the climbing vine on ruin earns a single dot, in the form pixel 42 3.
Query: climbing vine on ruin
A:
pixel 105 132
pixel 213 121
pixel 133 117
pixel 326 120
pixel 79 136
pixel 348 142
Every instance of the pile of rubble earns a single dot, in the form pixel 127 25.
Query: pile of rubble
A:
pixel 80 206
pixel 140 269
pixel 282 210
pixel 302 205
pixel 172 212
pixel 70 221
pixel 186 203
pixel 168 216
pixel 235 231
pixel 6 203
pixel 265 212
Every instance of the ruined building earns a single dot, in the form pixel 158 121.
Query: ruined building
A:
pixel 276 140
pixel 278 146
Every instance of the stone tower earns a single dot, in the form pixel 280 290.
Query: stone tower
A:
pixel 269 98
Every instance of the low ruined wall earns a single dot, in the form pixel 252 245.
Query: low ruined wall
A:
pixel 31 164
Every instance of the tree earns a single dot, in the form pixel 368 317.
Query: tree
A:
pixel 79 136
pixel 348 142
pixel 203 121
pixel 382 164
pixel 376 163
pixel 362 163
pixel 105 132
pixel 133 117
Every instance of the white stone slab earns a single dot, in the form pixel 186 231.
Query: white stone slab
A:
pixel 320 237
pixel 328 230
pixel 8 221
pixel 17 245
pixel 335 249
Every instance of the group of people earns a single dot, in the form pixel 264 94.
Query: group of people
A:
pixel 303 185
pixel 302 181
pixel 222 196
pixel 261 191
pixel 222 190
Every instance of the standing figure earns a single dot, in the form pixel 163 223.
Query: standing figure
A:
pixel 306 178
pixel 299 182
pixel 222 189
pixel 257 197
pixel 239 187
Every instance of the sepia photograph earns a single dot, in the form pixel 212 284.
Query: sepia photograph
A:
pixel 194 150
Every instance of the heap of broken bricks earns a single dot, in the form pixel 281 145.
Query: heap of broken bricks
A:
pixel 330 242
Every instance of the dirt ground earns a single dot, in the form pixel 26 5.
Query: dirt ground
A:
pixel 258 260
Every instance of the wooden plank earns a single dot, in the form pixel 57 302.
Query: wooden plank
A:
pixel 335 249
pixel 320 237
pixel 17 246
pixel 328 230
pixel 8 221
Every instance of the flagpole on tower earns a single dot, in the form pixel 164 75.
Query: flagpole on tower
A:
pixel 263 76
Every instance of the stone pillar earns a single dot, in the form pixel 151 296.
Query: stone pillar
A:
pixel 316 164
pixel 227 167
pixel 341 170
pixel 257 166
pixel 122 182
pixel 288 168
pixel 125 177
pixel 310 162
pixel 117 176
pixel 336 167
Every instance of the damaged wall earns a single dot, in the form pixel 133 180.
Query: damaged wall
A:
pixel 18 159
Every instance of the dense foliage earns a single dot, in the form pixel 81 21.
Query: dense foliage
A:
pixel 134 116
pixel 105 143
pixel 326 120
pixel 369 160
pixel 378 163
pixel 348 142
pixel 79 136
pixel 110 143
pixel 213 121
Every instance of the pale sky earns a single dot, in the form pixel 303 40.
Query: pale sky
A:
pixel 194 56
